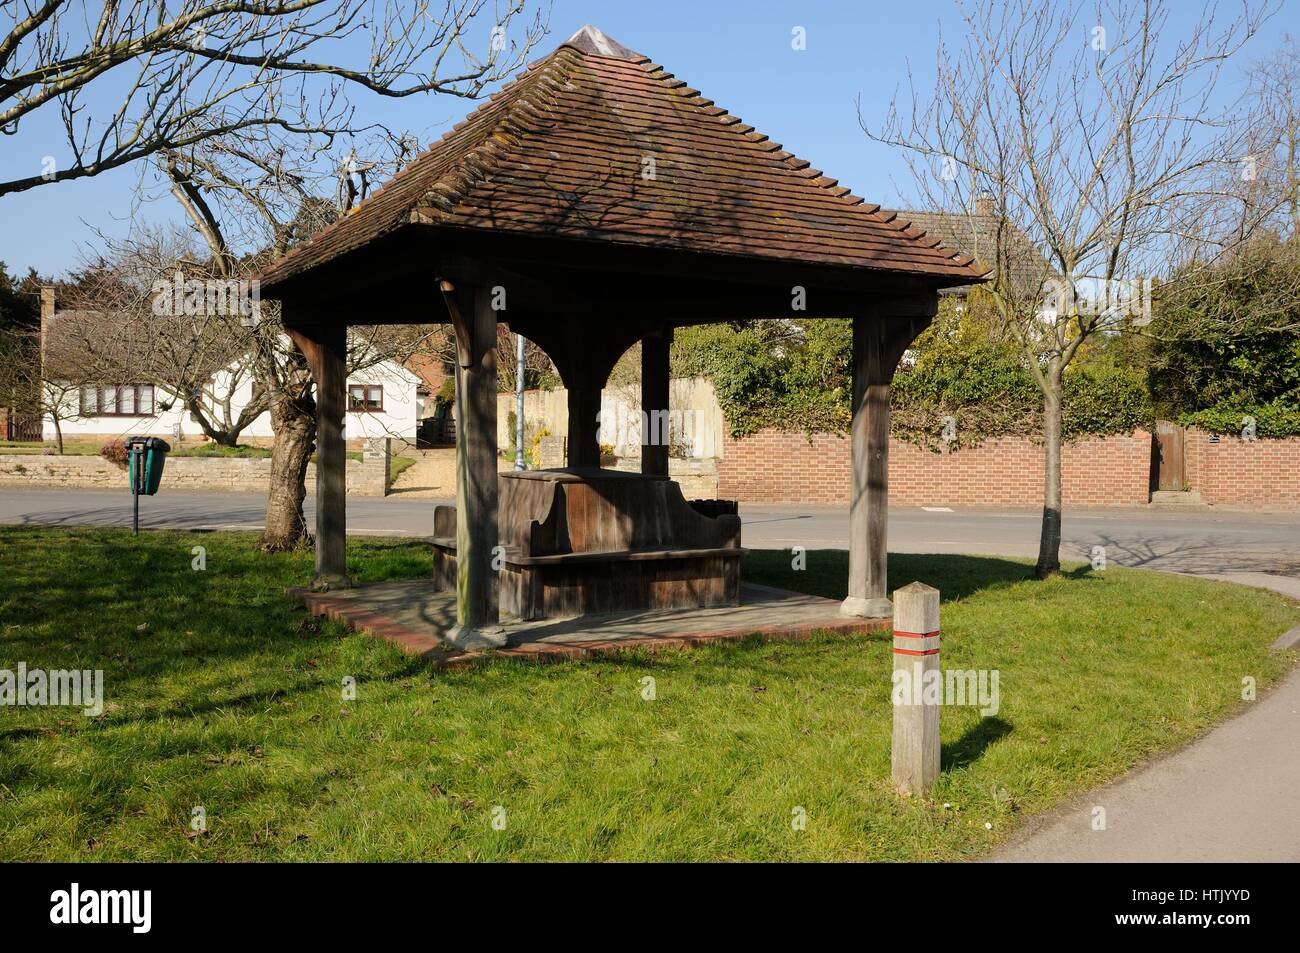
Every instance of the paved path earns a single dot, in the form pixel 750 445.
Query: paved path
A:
pixel 1231 796
pixel 432 475
pixel 1200 540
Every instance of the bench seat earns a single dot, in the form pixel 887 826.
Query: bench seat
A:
pixel 576 543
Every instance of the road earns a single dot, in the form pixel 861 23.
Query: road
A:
pixel 1183 539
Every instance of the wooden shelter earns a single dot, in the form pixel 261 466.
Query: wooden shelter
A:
pixel 594 202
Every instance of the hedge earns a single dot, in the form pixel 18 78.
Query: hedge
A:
pixel 765 378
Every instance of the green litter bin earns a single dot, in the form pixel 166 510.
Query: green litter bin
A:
pixel 147 456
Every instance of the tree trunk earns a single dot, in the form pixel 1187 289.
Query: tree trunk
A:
pixel 58 433
pixel 222 438
pixel 294 423
pixel 1049 544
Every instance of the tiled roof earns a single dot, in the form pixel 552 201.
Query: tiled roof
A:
pixel 976 234
pixel 596 142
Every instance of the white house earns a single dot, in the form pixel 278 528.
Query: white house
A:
pixel 382 402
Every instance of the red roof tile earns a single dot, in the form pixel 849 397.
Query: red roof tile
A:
pixel 596 142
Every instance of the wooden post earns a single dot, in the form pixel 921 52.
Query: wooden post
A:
pixel 475 324
pixel 654 402
pixel 584 408
pixel 915 754
pixel 869 493
pixel 326 350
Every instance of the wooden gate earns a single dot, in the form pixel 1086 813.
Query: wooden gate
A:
pixel 23 429
pixel 1167 457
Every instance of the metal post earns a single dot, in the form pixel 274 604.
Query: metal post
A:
pixel 135 488
pixel 519 402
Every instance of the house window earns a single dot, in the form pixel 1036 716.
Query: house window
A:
pixel 365 397
pixel 117 400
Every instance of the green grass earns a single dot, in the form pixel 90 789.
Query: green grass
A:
pixel 71 447
pixel 244 451
pixel 213 450
pixel 229 699
pixel 398 465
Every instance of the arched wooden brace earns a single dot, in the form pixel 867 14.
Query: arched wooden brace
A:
pixel 584 354
pixel 880 336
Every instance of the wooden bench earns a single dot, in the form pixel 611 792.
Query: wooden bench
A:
pixel 582 541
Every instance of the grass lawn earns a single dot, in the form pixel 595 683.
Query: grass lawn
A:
pixel 222 694
pixel 71 447
pixel 398 465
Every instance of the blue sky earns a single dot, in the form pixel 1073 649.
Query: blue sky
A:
pixel 736 52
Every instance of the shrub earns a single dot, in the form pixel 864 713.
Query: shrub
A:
pixel 1102 399
pixel 797 376
pixel 115 452
pixel 1271 420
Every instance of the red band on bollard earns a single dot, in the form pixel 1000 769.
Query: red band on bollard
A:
pixel 910 652
pixel 918 635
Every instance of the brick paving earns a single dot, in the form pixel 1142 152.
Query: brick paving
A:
pixel 413 615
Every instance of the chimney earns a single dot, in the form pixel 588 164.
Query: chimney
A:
pixel 986 204
pixel 47 312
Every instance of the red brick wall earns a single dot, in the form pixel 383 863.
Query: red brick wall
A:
pixel 775 467
pixel 1235 471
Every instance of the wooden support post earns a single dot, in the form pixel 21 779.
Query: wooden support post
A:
pixel 326 350
pixel 584 409
pixel 917 694
pixel 869 494
pixel 654 402
pixel 475 323
pixel 584 352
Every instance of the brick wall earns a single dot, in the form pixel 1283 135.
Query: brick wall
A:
pixel 775 467
pixel 1233 471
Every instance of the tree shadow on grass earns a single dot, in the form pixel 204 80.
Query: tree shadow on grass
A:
pixel 827 572
pixel 144 609
pixel 969 747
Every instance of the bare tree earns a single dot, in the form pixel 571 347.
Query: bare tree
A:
pixel 51 370
pixel 1256 196
pixel 1272 159
pixel 182 72
pixel 196 356
pixel 1081 137
pixel 277 189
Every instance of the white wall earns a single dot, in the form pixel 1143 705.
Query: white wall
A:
pixel 695 416
pixel 398 418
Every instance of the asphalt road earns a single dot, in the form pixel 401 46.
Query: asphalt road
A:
pixel 1182 539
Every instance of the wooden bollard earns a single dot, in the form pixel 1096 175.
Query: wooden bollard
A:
pixel 915 754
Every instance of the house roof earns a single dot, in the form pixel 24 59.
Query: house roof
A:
pixel 77 340
pixel 975 234
pixel 596 142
